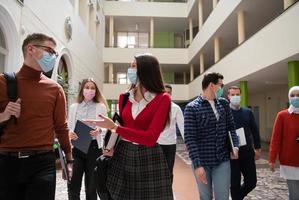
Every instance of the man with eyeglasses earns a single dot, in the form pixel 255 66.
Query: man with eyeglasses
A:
pixel 27 161
pixel 208 119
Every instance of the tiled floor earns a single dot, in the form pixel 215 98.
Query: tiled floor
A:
pixel 269 186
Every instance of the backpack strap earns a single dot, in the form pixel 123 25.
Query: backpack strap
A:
pixel 11 82
pixel 125 100
pixel 11 85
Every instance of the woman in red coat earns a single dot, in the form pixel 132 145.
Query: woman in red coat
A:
pixel 285 143
pixel 138 167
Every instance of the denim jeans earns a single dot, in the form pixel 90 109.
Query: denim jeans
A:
pixel 218 179
pixel 293 186
pixel 31 178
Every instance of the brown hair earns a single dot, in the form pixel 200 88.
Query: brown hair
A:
pixel 150 77
pixel 210 77
pixel 149 73
pixel 168 86
pixel 98 98
pixel 36 38
pixel 234 88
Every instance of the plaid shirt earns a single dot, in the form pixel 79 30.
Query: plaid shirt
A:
pixel 205 136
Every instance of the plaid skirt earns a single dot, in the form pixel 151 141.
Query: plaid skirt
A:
pixel 138 172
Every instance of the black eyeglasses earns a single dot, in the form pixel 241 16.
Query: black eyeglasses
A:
pixel 47 49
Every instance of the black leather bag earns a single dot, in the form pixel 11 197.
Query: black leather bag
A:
pixel 101 170
pixel 103 162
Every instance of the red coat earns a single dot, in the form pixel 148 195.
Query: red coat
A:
pixel 283 142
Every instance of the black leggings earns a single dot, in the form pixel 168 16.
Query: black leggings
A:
pixel 169 153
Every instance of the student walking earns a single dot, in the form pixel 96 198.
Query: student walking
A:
pixel 138 168
pixel 285 143
pixel 90 104
pixel 208 120
pixel 249 149
pixel 168 137
pixel 27 160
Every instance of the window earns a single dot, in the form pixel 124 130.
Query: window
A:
pixel 114 107
pixel 3 51
pixel 121 78
pixel 122 39
pixel 143 40
pixel 132 40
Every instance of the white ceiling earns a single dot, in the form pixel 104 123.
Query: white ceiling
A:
pixel 268 78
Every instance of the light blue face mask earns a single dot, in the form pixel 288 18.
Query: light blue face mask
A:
pixel 47 62
pixel 132 75
pixel 235 100
pixel 219 92
pixel 294 101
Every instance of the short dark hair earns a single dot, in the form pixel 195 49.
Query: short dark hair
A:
pixel 149 73
pixel 168 86
pixel 36 38
pixel 234 88
pixel 210 77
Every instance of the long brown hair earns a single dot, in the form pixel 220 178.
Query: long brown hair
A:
pixel 149 76
pixel 98 98
pixel 149 73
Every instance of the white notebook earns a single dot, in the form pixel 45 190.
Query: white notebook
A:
pixel 241 135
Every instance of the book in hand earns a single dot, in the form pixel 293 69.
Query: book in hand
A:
pixel 230 142
pixel 111 139
pixel 84 138
pixel 241 136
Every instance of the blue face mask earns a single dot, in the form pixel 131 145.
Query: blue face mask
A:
pixel 47 62
pixel 294 101
pixel 235 100
pixel 132 75
pixel 219 92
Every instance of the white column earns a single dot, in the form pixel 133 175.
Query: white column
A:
pixel 241 26
pixel 111 31
pixel 152 33
pixel 88 10
pixel 287 3
pixel 200 14
pixel 184 77
pixel 190 30
pixel 202 63
pixel 191 72
pixel 110 73
pixel 76 7
pixel 215 4
pixel 216 49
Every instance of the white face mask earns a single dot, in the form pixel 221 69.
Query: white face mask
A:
pixel 235 100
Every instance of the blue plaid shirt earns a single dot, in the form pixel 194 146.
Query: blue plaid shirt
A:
pixel 205 136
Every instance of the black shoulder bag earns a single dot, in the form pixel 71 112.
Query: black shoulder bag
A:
pixel 103 162
pixel 12 93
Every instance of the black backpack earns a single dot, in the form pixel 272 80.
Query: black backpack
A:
pixel 12 93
